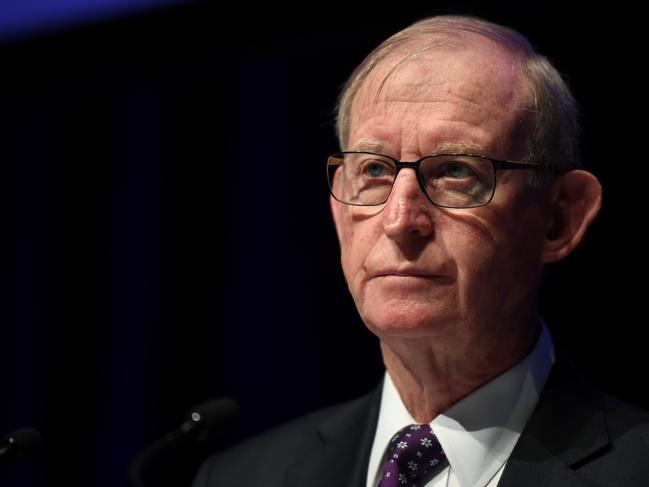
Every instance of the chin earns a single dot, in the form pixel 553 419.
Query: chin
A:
pixel 406 322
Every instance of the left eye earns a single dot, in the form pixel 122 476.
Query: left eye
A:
pixel 457 170
pixel 375 170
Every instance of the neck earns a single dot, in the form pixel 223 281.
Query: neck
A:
pixel 431 377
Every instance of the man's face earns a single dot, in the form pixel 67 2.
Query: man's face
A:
pixel 417 270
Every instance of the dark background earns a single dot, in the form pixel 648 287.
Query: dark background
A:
pixel 165 228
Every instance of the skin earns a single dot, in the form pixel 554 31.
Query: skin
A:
pixel 452 293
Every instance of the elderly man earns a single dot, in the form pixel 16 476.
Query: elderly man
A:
pixel 458 181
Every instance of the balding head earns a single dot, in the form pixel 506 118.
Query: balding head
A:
pixel 550 111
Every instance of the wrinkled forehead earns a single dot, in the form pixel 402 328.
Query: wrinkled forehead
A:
pixel 478 71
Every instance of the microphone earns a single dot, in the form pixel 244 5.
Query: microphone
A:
pixel 204 423
pixel 20 443
pixel 205 420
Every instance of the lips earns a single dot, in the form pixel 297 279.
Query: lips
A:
pixel 405 272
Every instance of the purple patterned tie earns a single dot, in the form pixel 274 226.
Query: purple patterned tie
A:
pixel 414 453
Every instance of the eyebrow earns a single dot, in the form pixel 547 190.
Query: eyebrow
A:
pixel 457 147
pixel 461 147
pixel 370 145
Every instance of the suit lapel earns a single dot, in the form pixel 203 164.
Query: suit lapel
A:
pixel 549 472
pixel 346 440
pixel 566 429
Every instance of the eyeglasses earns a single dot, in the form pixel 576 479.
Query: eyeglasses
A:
pixel 447 180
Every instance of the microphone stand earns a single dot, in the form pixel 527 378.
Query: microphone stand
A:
pixel 206 423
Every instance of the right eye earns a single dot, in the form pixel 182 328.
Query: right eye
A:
pixel 376 169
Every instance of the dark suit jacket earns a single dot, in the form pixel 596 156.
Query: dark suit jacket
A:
pixel 576 437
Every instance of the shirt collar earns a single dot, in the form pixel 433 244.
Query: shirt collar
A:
pixel 479 432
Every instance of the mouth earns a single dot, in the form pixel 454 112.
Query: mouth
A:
pixel 417 273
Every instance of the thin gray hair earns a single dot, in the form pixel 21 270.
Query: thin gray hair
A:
pixel 551 111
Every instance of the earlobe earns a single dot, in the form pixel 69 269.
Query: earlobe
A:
pixel 576 198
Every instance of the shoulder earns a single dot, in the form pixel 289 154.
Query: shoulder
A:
pixel 264 459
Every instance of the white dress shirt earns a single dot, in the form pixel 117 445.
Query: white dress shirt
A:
pixel 478 433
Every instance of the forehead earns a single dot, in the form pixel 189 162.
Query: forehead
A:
pixel 475 93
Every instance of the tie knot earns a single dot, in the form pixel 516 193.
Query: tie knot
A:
pixel 414 452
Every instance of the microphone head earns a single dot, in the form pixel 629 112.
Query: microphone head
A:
pixel 20 443
pixel 211 417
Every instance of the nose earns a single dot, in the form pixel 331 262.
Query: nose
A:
pixel 407 212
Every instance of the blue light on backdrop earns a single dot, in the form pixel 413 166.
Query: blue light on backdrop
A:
pixel 24 18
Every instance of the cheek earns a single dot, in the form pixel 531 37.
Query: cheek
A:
pixel 475 256
pixel 357 240
pixel 497 267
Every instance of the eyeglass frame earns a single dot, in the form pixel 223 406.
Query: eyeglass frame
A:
pixel 497 164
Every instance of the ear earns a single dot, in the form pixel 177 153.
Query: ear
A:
pixel 575 200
